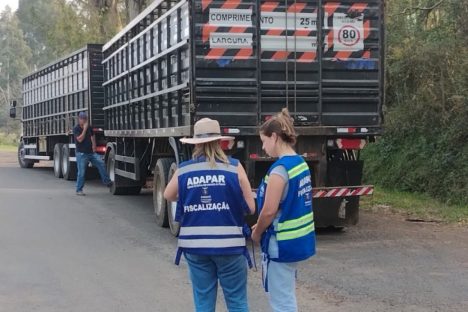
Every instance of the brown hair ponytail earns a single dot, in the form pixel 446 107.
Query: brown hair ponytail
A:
pixel 283 125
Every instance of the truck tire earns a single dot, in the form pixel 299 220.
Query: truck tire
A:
pixel 24 163
pixel 58 160
pixel 160 179
pixel 69 169
pixel 171 206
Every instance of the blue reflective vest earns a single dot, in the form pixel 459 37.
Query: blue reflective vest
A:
pixel 294 231
pixel 210 209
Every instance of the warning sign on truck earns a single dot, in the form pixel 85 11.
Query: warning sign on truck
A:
pixel 230 17
pixel 230 40
pixel 348 33
pixel 289 21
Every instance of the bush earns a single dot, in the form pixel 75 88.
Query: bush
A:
pixel 424 146
pixel 9 139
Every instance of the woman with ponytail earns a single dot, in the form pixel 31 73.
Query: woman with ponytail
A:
pixel 285 226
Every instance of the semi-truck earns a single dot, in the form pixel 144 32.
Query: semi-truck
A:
pixel 241 62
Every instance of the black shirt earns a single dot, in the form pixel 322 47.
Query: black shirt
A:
pixel 85 146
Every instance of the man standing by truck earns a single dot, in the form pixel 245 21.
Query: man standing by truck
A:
pixel 85 142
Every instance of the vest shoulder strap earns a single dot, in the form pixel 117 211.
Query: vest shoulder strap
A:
pixel 294 166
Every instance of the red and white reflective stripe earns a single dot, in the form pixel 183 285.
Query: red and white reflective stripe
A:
pixel 346 130
pixel 231 130
pixel 342 191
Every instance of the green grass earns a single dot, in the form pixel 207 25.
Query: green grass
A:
pixel 418 206
pixel 8 148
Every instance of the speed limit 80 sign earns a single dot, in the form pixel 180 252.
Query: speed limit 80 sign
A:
pixel 348 33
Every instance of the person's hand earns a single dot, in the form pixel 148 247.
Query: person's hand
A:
pixel 256 236
pixel 94 148
pixel 85 126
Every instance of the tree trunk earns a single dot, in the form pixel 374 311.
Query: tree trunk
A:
pixel 134 7
pixel 110 18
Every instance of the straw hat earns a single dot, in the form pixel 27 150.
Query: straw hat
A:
pixel 206 130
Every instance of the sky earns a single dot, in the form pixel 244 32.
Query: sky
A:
pixel 12 3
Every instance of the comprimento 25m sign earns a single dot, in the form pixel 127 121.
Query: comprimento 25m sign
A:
pixel 282 31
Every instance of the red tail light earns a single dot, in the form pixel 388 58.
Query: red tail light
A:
pixel 226 144
pixel 100 149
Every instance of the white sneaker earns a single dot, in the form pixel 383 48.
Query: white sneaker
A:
pixel 80 193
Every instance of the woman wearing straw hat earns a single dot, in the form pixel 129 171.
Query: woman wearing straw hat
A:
pixel 213 195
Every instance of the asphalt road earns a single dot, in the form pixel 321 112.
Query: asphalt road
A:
pixel 60 252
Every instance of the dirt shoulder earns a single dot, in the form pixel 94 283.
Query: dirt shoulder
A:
pixel 415 207
pixel 386 263
pixel 8 158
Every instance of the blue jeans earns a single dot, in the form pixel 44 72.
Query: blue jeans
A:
pixel 82 160
pixel 282 286
pixel 281 279
pixel 232 274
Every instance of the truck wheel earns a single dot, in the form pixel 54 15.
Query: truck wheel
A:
pixel 160 180
pixel 171 206
pixel 69 169
pixel 58 160
pixel 24 163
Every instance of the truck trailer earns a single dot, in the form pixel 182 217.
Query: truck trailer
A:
pixel 52 98
pixel 241 62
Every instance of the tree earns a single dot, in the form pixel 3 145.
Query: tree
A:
pixel 104 16
pixel 134 7
pixel 15 55
pixel 37 20
pixel 423 147
pixel 74 27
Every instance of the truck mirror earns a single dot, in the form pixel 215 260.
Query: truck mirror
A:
pixel 13 103
pixel 13 112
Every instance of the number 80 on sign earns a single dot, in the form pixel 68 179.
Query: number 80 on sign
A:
pixel 349 35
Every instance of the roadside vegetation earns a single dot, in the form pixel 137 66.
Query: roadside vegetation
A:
pixel 424 148
pixel 414 206
pixel 8 142
pixel 8 148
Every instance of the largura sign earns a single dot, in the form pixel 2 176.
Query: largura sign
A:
pixel 230 40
